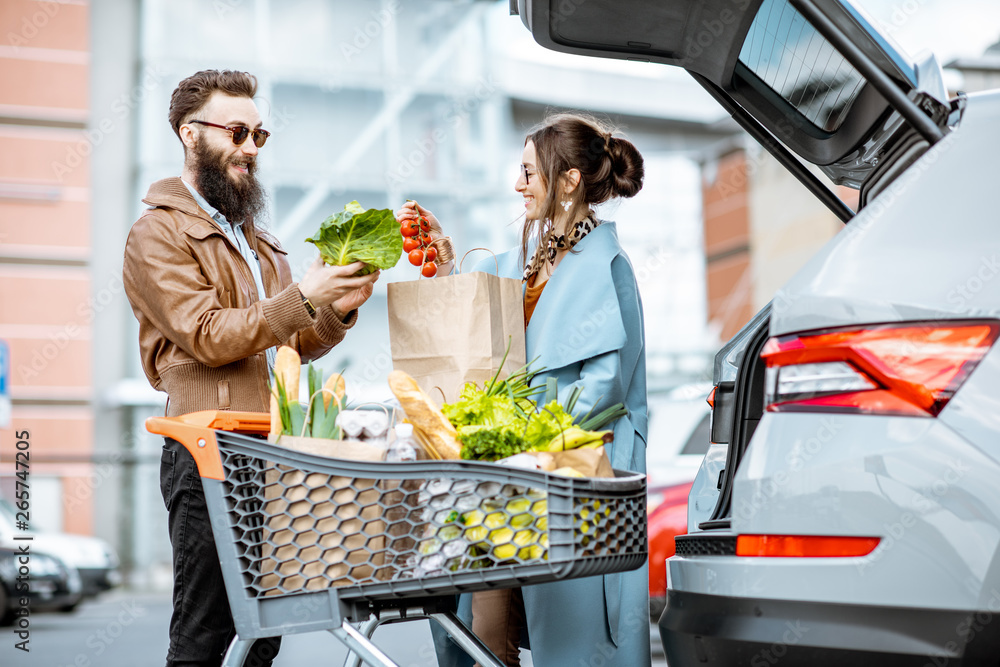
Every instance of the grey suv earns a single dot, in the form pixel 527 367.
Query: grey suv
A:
pixel 848 509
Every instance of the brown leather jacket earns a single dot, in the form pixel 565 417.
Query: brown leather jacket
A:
pixel 203 330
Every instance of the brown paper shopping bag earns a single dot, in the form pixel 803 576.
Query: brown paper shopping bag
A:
pixel 321 530
pixel 448 331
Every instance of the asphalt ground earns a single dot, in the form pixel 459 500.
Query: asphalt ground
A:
pixel 129 629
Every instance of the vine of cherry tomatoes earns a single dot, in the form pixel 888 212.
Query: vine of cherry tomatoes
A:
pixel 417 245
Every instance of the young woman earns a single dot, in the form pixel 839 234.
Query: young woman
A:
pixel 585 327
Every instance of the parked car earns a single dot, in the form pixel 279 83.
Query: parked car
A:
pixel 47 583
pixel 846 510
pixel 94 559
pixel 678 437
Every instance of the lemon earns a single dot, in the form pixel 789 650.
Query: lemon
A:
pixel 504 551
pixel 473 518
pixel 525 537
pixel 530 552
pixel 501 535
pixel 518 505
pixel 475 534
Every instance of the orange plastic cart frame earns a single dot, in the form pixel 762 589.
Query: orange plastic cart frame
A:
pixel 196 431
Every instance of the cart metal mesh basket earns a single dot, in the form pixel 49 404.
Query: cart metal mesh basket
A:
pixel 301 523
pixel 307 541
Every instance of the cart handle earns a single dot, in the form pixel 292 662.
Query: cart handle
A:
pixel 196 431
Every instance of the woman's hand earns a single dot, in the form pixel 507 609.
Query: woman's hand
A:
pixel 411 210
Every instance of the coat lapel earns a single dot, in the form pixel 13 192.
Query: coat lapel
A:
pixel 578 315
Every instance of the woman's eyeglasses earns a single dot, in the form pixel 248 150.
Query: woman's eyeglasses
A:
pixel 239 132
pixel 525 173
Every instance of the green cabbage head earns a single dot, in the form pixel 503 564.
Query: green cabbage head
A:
pixel 358 234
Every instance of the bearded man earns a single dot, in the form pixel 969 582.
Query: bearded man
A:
pixel 214 297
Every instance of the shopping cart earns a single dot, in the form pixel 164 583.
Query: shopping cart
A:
pixel 311 543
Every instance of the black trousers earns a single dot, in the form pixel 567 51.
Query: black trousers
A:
pixel 201 626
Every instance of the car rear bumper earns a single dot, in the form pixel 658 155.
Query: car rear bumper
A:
pixel 699 629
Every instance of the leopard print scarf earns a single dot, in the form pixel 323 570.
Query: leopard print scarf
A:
pixel 554 243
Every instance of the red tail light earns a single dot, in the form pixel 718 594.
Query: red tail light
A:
pixel 804 546
pixel 908 369
pixel 711 398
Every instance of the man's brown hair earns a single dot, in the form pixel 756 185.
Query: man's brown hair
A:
pixel 192 93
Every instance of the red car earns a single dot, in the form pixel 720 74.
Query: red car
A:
pixel 679 431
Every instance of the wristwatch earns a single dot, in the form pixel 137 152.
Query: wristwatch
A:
pixel 311 309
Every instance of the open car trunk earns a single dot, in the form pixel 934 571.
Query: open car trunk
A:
pixel 812 80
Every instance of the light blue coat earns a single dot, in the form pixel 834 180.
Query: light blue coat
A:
pixel 587 330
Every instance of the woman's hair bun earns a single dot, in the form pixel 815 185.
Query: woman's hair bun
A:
pixel 626 167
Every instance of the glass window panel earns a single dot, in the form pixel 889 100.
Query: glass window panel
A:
pixel 787 53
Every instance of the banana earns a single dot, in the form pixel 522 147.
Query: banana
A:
pixel 592 445
pixel 575 437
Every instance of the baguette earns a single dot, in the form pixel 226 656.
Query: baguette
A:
pixel 287 365
pixel 336 384
pixel 425 415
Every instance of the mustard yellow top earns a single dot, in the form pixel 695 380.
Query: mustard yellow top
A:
pixel 531 294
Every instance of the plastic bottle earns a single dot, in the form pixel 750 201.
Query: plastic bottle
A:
pixel 404 447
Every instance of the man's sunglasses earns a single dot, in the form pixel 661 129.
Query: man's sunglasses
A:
pixel 239 132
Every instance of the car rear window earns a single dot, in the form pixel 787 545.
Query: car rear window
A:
pixel 787 53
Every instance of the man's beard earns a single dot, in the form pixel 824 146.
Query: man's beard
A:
pixel 241 198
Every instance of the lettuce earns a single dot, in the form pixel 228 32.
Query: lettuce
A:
pixel 550 420
pixel 489 443
pixel 356 234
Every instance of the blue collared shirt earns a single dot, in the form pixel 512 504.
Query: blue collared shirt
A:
pixel 234 232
